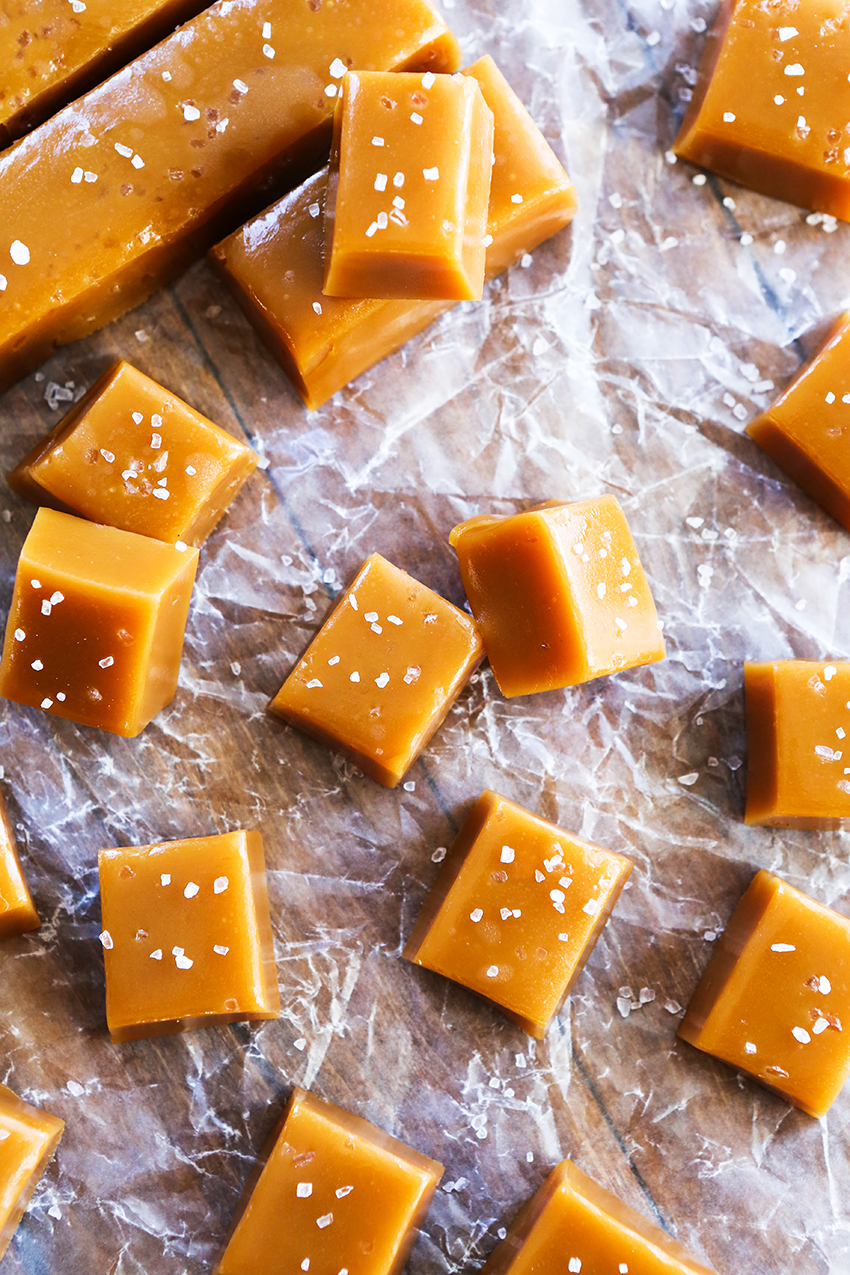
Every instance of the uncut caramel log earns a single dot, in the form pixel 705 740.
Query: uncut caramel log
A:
pixel 275 264
pixel 28 1139
pixel 120 191
pixel 51 51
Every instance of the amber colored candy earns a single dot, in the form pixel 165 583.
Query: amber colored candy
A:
pixel 333 1194
pixel 95 631
pixel 798 729
pixel 120 191
pixel 51 51
pixel 382 672
pixel 17 911
pixel 559 594
pixel 806 430
pixel 28 1139
pixel 775 995
pixel 771 102
pixel 516 910
pixel 187 938
pixel 134 456
pixel 573 1224
pixel 274 265
pixel 408 188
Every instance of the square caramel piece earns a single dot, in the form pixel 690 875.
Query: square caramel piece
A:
pixel 134 456
pixel 573 1224
pixel 559 594
pixel 774 1000
pixel 807 430
pixel 383 671
pixel 772 101
pixel 334 1194
pixel 516 910
pixel 95 631
pixel 798 759
pixel 409 185
pixel 186 935
pixel 28 1139
pixel 17 911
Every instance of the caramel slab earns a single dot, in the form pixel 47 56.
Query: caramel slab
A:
pixel 334 1194
pixel 798 764
pixel 383 671
pixel 132 455
pixel 28 1139
pixel 186 936
pixel 774 1000
pixel 95 631
pixel 120 191
pixel 559 594
pixel 274 265
pixel 409 187
pixel 17 911
pixel 516 911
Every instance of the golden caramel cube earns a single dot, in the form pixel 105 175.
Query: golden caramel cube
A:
pixel 17 911
pixel 134 456
pixel 798 766
pixel 409 186
pixel 805 430
pixel 383 671
pixel 559 594
pixel 775 997
pixel 115 195
pixel 771 103
pixel 28 1139
pixel 573 1224
pixel 516 910
pixel 95 632
pixel 187 939
pixel 274 265
pixel 335 1194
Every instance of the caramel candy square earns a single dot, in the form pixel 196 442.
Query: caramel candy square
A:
pixel 775 997
pixel 17 911
pixel 28 1139
pixel 573 1224
pixel 187 936
pixel 798 762
pixel 95 632
pixel 274 265
pixel 772 101
pixel 516 910
pixel 334 1194
pixel 559 594
pixel 409 185
pixel 383 671
pixel 807 430
pixel 134 456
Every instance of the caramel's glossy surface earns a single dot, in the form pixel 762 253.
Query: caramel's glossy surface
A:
pixel 797 725
pixel 772 102
pixel 807 430
pixel 28 1139
pixel 382 672
pixel 118 192
pixel 409 187
pixel 95 631
pixel 573 1224
pixel 559 593
pixel 775 997
pixel 516 910
pixel 335 1193
pixel 274 265
pixel 186 935
pixel 17 911
pixel 132 455
pixel 52 51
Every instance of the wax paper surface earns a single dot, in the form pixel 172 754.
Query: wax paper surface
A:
pixel 626 356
